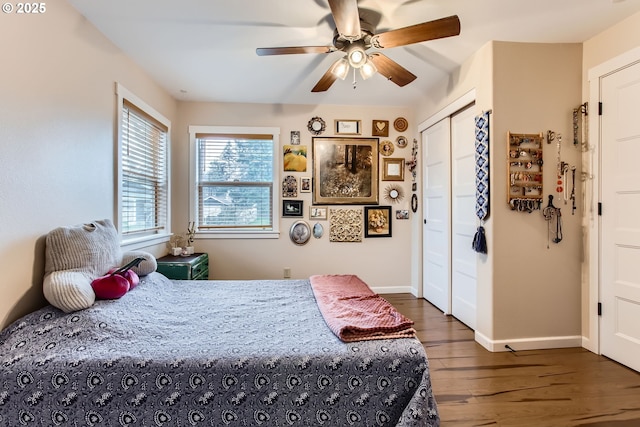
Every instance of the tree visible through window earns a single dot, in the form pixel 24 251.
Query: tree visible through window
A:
pixel 235 181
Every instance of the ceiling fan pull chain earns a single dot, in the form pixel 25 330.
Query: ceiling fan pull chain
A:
pixel 355 83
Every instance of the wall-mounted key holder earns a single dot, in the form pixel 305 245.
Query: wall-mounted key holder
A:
pixel 525 178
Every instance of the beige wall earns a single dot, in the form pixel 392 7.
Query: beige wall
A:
pixel 384 263
pixel 57 109
pixel 526 292
pixel 536 290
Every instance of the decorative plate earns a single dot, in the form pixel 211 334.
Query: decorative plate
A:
pixel 299 233
pixel 316 125
pixel 401 141
pixel 386 148
pixel 400 124
pixel 318 230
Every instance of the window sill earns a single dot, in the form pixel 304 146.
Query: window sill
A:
pixel 144 242
pixel 238 235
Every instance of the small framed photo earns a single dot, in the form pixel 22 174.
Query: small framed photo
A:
pixel 392 169
pixel 305 184
pixel 402 214
pixel 318 212
pixel 377 221
pixel 348 127
pixel 292 208
pixel 295 137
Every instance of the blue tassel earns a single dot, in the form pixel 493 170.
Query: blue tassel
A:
pixel 479 241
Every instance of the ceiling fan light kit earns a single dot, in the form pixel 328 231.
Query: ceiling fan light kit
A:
pixel 354 36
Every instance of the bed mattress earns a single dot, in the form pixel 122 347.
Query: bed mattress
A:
pixel 207 353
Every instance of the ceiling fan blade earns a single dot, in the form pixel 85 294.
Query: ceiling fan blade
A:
pixel 264 51
pixel 347 18
pixel 440 28
pixel 326 80
pixel 391 69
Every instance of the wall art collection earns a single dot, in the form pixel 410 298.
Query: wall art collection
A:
pixel 346 170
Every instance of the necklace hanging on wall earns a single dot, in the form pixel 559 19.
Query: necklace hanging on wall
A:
pixel 552 214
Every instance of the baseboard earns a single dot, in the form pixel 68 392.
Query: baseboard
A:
pixel 392 289
pixel 541 343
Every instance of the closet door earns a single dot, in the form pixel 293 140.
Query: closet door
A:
pixel 463 218
pixel 436 208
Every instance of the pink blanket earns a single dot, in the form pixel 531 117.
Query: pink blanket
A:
pixel 354 312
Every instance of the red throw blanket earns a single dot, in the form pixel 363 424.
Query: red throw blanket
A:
pixel 354 312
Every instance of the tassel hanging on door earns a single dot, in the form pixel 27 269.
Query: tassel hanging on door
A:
pixel 480 241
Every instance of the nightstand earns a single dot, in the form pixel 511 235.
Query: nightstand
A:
pixel 190 267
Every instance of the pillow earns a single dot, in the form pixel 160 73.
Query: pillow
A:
pixel 149 265
pixel 74 256
pixel 91 248
pixel 69 290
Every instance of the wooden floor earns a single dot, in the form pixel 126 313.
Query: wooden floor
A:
pixel 563 387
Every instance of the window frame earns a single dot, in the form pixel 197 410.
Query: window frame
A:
pixel 161 236
pixel 234 233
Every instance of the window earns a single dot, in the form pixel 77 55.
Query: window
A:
pixel 143 184
pixel 233 174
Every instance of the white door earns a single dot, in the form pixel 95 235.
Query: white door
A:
pixel 463 217
pixel 620 226
pixel 436 208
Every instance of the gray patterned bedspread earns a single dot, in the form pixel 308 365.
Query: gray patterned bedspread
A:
pixel 207 353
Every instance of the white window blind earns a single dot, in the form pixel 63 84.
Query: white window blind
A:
pixel 144 185
pixel 234 181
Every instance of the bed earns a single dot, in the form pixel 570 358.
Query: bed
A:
pixel 207 353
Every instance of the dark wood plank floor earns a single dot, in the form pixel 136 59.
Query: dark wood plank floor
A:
pixel 563 387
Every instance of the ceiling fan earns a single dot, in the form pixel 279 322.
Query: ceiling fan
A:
pixel 354 37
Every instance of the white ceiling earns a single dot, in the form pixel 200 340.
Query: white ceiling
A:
pixel 204 50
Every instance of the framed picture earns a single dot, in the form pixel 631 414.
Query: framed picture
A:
pixel 294 158
pixel 305 184
pixel 392 169
pixel 289 186
pixel 292 208
pixel 295 137
pixel 318 212
pixel 402 214
pixel 345 171
pixel 380 128
pixel 348 127
pixel 377 221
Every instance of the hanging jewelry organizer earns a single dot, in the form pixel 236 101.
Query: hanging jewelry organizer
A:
pixel 524 191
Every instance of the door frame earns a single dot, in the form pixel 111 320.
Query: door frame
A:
pixel 591 166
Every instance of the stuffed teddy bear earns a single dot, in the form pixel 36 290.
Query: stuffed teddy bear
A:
pixel 76 255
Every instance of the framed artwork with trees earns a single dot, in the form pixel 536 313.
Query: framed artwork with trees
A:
pixel 345 170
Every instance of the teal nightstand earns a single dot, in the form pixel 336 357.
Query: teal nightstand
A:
pixel 190 267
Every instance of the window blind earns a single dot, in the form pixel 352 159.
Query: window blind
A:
pixel 144 172
pixel 235 181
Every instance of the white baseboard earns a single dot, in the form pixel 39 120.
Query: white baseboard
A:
pixel 392 290
pixel 540 343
